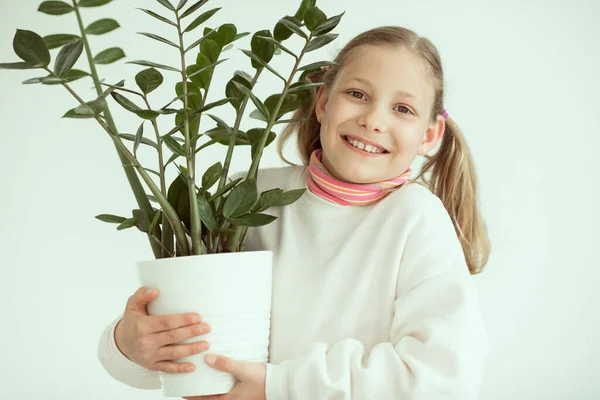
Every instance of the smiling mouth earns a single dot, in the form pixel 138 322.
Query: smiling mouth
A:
pixel 345 138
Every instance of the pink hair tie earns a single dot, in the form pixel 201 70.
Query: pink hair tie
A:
pixel 445 113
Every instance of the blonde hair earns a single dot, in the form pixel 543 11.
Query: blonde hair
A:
pixel 452 171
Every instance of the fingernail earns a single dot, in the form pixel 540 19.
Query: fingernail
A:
pixel 210 359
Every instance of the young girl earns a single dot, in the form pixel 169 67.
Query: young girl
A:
pixel 372 290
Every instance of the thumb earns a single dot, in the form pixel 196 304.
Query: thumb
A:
pixel 142 296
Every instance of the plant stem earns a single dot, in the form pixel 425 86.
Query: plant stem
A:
pixel 233 240
pixel 134 182
pixel 167 233
pixel 167 208
pixel 232 141
pixel 190 155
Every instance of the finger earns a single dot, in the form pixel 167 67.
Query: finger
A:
pixel 141 297
pixel 177 335
pixel 161 323
pixel 226 364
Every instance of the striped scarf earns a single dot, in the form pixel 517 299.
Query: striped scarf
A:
pixel 321 183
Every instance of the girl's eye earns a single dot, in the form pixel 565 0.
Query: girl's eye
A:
pixel 352 92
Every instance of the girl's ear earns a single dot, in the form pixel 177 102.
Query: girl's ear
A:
pixel 321 101
pixel 433 135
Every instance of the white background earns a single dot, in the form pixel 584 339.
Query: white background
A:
pixel 522 82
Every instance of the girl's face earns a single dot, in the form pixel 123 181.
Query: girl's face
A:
pixel 382 97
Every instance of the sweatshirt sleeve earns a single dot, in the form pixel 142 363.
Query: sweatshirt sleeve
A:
pixel 120 367
pixel 437 344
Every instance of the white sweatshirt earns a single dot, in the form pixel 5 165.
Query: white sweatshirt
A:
pixel 369 302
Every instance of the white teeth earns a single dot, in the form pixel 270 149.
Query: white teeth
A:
pixel 362 146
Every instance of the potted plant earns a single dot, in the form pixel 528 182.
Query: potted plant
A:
pixel 198 230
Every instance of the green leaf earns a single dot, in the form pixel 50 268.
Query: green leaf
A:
pixel 55 41
pixel 228 33
pixel 201 73
pixel 93 3
pixel 259 61
pixel 222 136
pixel 212 175
pixel 109 55
pixel 114 219
pixel 286 26
pixel 328 25
pixel 87 110
pixel 252 220
pixel 102 26
pixel 313 18
pixel 181 4
pixel 234 93
pixel 292 121
pixel 255 136
pixel 174 146
pixel 290 103
pixel 93 107
pixel 213 105
pixel 194 95
pixel 262 48
pixel 225 189
pixel 220 123
pixel 304 6
pixel 193 8
pixel 305 87
pixel 19 65
pixel 258 115
pixel 241 199
pixel 157 16
pixel 125 102
pixel 138 138
pixel 167 4
pixel 180 122
pixel 156 218
pixel 72 114
pixel 201 19
pixel 279 45
pixel 210 49
pixel 159 38
pixel 316 65
pixel 67 57
pixel 320 41
pixel 75 74
pixel 128 223
pixel 289 197
pixel 147 114
pixel 31 48
pixel 142 222
pixel 266 200
pixel 197 42
pixel 152 64
pixel 55 8
pixel 148 80
pixel 205 212
pixel 259 104
pixel 133 138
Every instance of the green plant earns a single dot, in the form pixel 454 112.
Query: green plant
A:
pixel 191 219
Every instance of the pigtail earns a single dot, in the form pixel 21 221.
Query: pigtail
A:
pixel 453 180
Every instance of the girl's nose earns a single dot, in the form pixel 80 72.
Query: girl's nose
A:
pixel 374 119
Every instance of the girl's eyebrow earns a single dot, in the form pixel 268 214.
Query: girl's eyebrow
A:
pixel 402 93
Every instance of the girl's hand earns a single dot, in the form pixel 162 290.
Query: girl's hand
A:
pixel 251 379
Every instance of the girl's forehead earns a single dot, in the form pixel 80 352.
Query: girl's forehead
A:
pixel 388 68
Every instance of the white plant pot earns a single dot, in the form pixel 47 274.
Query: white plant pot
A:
pixel 232 291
